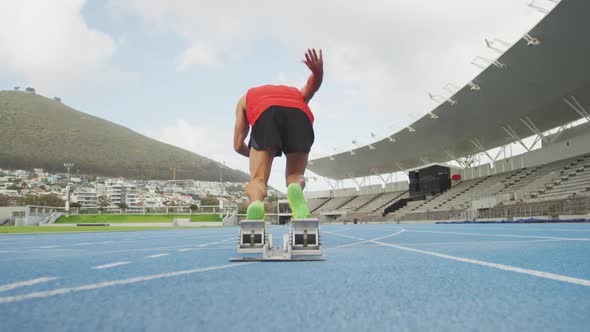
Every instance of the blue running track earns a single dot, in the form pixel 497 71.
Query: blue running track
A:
pixel 376 277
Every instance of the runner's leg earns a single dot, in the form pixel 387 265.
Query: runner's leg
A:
pixel 296 164
pixel 260 166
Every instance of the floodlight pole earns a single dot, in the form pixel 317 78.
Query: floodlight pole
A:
pixel 68 166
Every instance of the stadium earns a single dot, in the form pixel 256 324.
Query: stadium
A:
pixel 441 241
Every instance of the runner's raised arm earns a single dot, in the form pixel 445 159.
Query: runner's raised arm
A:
pixel 315 63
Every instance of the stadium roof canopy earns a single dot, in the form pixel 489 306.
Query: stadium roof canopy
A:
pixel 528 90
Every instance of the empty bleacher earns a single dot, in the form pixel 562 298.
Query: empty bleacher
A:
pixel 358 201
pixel 521 191
pixel 333 204
pixel 575 180
pixel 380 202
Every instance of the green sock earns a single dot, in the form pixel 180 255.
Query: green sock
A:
pixel 255 211
pixel 297 202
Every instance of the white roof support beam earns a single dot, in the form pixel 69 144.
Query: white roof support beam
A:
pixel 514 136
pixel 481 148
pixel 328 182
pixel 576 106
pixel 401 167
pixel 359 184
pixel 374 171
pixel 560 131
pixel 461 161
pixel 531 125
pixel 502 149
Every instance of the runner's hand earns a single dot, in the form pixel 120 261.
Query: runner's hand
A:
pixel 313 62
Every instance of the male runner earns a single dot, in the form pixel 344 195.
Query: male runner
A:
pixel 281 121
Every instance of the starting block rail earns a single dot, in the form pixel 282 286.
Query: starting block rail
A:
pixel 302 243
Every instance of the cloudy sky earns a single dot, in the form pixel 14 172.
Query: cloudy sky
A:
pixel 174 69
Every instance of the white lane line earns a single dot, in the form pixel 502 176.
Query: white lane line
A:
pixel 342 235
pixel 507 235
pixel 64 245
pixel 156 255
pixel 108 266
pixel 184 249
pixel 25 283
pixel 472 242
pixel 536 229
pixel 540 274
pixel 367 241
pixel 61 291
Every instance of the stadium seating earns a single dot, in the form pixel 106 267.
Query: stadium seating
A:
pixel 333 204
pixel 559 187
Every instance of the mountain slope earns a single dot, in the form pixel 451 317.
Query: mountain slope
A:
pixel 36 131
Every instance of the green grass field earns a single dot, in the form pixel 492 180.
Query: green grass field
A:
pixel 131 218
pixel 75 229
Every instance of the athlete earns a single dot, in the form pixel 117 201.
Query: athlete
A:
pixel 281 122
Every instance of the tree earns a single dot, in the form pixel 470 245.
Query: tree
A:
pixel 6 200
pixel 209 201
pixel 45 200
pixel 122 206
pixel 30 90
pixel 242 208
pixel 76 206
pixel 57 99
pixel 103 201
pixel 16 88
pixel 193 208
pixel 13 187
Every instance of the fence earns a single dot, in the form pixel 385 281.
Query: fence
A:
pixel 155 210
pixel 575 205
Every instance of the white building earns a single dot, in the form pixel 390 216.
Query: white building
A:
pixel 120 192
pixel 87 198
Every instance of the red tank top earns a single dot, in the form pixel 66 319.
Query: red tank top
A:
pixel 259 99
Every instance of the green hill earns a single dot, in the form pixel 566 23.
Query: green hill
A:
pixel 36 131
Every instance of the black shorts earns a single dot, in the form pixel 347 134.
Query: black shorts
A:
pixel 284 128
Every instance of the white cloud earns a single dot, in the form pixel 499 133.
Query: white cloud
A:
pixel 49 43
pixel 387 54
pixel 381 57
pixel 197 54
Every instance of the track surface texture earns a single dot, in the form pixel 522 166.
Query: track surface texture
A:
pixel 375 277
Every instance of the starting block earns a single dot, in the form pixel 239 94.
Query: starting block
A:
pixel 302 243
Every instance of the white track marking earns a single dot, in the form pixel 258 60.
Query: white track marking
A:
pixel 184 249
pixel 61 291
pixel 64 245
pixel 25 283
pixel 108 266
pixel 540 274
pixel 473 242
pixel 342 235
pixel 506 235
pixel 101 252
pixel 366 241
pixel 156 255
pixel 536 229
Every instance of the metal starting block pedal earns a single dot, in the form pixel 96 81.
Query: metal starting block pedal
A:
pixel 302 243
